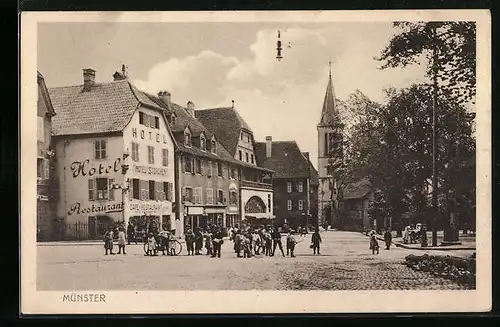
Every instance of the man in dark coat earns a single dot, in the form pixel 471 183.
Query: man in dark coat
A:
pixel 198 240
pixel 276 236
pixel 315 241
pixel 189 238
pixel 131 233
pixel 217 242
pixel 388 239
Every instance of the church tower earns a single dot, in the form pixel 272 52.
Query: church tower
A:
pixel 329 153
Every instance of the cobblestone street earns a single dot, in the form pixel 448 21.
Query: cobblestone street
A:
pixel 345 263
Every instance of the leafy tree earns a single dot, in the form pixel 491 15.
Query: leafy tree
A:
pixel 448 47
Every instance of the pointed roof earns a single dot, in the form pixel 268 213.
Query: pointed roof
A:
pixel 329 114
pixel 225 123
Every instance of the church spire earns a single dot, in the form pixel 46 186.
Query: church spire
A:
pixel 329 113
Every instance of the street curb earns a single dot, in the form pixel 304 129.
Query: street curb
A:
pixel 399 245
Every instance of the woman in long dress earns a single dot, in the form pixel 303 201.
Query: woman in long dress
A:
pixel 406 235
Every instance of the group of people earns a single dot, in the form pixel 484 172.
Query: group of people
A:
pixel 109 236
pixel 212 238
pixel 374 247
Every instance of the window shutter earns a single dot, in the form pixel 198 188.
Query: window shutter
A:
pixel 170 191
pixel 193 170
pixel 111 191
pixel 141 118
pixel 183 191
pixel 131 189
pixel 91 189
pixel 146 190
pixel 209 168
pixel 157 122
pixel 202 167
pixel 46 168
pixel 224 199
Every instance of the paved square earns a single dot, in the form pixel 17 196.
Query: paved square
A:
pixel 345 263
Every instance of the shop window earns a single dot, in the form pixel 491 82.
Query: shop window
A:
pixel 151 155
pixel 135 151
pixel 100 149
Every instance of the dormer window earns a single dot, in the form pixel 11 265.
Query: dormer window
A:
pixel 213 146
pixel 203 143
pixel 172 119
pixel 187 139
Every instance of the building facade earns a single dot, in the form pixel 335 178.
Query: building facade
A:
pixel 330 154
pixel 292 182
pixel 114 158
pixel 45 176
pixel 255 187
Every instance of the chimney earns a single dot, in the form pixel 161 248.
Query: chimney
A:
pixel 232 104
pixel 117 76
pixel 190 108
pixel 88 79
pixel 165 97
pixel 269 145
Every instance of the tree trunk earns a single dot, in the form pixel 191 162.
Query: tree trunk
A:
pixel 434 105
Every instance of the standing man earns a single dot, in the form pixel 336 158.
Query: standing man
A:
pixel 131 233
pixel 198 240
pixel 315 241
pixel 217 242
pixel 276 236
pixel 189 238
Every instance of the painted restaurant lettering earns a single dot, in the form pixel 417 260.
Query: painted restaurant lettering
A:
pixel 150 170
pixel 76 208
pixel 82 168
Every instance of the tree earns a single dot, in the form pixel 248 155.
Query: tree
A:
pixel 451 53
pixel 378 210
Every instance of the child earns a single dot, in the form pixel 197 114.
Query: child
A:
pixel 121 240
pixel 247 252
pixel 151 249
pixel 388 239
pixel 290 244
pixel 256 242
pixel 315 241
pixel 373 243
pixel 171 243
pixel 108 241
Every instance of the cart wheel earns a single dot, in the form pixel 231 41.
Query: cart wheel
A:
pixel 177 247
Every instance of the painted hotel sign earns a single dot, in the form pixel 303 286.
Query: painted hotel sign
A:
pixel 150 170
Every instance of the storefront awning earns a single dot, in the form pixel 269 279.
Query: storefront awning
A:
pixel 259 216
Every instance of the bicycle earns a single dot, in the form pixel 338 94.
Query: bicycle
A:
pixel 164 246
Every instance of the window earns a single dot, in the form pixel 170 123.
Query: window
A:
pixel 269 202
pixel 42 168
pixel 198 195
pixel 233 197
pixel 188 164
pixel 300 186
pixel 168 190
pixel 164 157
pixel 326 146
pixel 151 154
pixel 40 131
pixel 188 195
pixel 246 154
pixel 149 121
pixel 152 190
pixel 157 122
pixel 289 187
pixel 242 135
pixel 220 170
pixel 220 196
pixel 252 158
pixel 100 149
pixel 210 196
pixel 101 185
pixel 136 189
pixel 203 144
pixel 209 168
pixel 141 118
pixel 135 152
pixel 198 166
pixel 187 139
pixel 233 173
pixel 240 154
pixel 289 205
pixel 213 147
pixel 301 205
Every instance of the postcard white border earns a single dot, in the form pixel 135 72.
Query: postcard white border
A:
pixel 176 302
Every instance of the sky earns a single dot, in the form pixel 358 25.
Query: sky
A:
pixel 212 64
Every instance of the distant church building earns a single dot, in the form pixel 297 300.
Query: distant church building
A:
pixel 329 154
